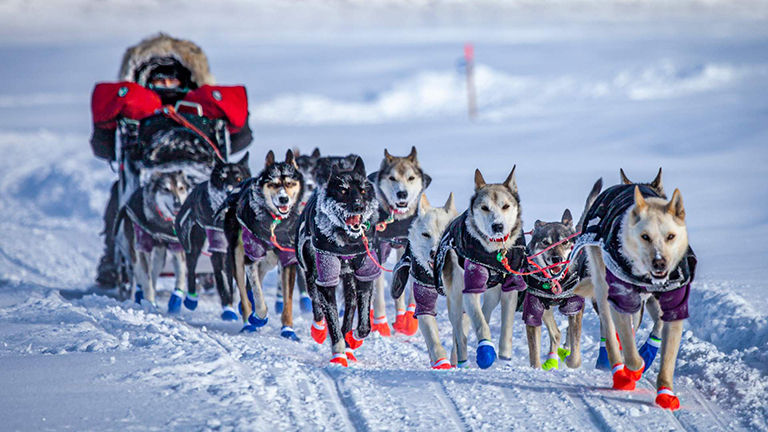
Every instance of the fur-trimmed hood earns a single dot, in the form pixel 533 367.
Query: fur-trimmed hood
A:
pixel 185 52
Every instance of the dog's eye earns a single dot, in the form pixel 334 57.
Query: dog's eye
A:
pixel 362 191
pixel 545 242
pixel 485 208
pixel 646 237
pixel 239 179
pixel 426 235
pixel 505 206
pixel 392 178
pixel 343 191
pixel 411 178
pixel 670 236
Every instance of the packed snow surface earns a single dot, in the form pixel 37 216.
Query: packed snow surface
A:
pixel 567 91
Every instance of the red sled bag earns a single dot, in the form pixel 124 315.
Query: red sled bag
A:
pixel 227 102
pixel 124 99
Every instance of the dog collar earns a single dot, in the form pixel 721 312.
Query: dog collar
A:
pixel 499 239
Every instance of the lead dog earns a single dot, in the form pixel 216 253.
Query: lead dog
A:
pixel 487 242
pixel 259 224
pixel 399 183
pixel 637 246
pixel 417 264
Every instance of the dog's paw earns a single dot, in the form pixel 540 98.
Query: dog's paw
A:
pixel 666 399
pixel 649 350
pixel 288 333
pixel 249 328
pixel 339 359
pixel 257 322
pixel 190 301
pixel 229 314
pixel 410 323
pixel 399 323
pixel 462 364
pixel 624 378
pixel 486 354
pixel 138 296
pixel 441 363
pixel 351 355
pixel 279 306
pixel 305 304
pixel 552 362
pixel 319 331
pixel 174 303
pixel 352 340
pixel 563 353
pixel 602 362
pixel 380 325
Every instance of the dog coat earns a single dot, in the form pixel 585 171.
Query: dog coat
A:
pixel 424 291
pixel 482 269
pixel 602 228
pixel 394 236
pixel 149 233
pixel 256 232
pixel 539 297
pixel 328 254
pixel 198 210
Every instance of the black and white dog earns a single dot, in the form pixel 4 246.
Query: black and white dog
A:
pixel 259 225
pixel 196 222
pixel 333 247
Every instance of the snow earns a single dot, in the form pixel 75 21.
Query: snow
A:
pixel 567 91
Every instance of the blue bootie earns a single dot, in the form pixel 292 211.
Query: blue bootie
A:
pixel 288 333
pixel 248 328
pixel 256 321
pixel 229 314
pixel 279 305
pixel 486 354
pixel 649 350
pixel 250 299
pixel 305 303
pixel 174 303
pixel 602 362
pixel 138 296
pixel 190 301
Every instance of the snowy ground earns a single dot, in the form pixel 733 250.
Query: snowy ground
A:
pixel 567 95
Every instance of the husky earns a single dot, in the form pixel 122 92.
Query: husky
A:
pixel 398 183
pixel 637 247
pixel 149 215
pixel 417 263
pixel 308 166
pixel 259 223
pixel 196 222
pixel 487 242
pixel 333 235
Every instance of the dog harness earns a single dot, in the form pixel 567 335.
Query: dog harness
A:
pixel 150 232
pixel 197 211
pixel 482 269
pixel 424 291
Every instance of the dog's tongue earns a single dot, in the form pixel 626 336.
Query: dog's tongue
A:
pixel 354 220
pixel 283 209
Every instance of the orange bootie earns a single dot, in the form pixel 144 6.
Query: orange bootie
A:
pixel 624 378
pixel 410 323
pixel 441 363
pixel 352 341
pixel 380 324
pixel 399 321
pixel 351 355
pixel 666 399
pixel 339 359
pixel 319 331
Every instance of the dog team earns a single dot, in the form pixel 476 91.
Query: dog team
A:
pixel 328 223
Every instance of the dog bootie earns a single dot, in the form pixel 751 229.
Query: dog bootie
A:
pixel 248 328
pixel 257 322
pixel 462 364
pixel 441 363
pixel 250 300
pixel 279 305
pixel 190 301
pixel 339 359
pixel 138 296
pixel 174 303
pixel 319 331
pixel 351 355
pixel 666 399
pixel 399 323
pixel 649 350
pixel 602 362
pixel 228 314
pixel 305 304
pixel 486 354
pixel 552 362
pixel 380 325
pixel 624 378
pixel 410 323
pixel 352 340
pixel 288 333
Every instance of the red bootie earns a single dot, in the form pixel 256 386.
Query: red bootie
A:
pixel 319 331
pixel 339 359
pixel 623 378
pixel 352 341
pixel 351 355
pixel 666 399
pixel 410 323
pixel 441 363
pixel 380 324
pixel 399 321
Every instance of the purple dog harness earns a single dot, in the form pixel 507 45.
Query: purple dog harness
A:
pixel 625 297
pixel 144 241
pixel 256 249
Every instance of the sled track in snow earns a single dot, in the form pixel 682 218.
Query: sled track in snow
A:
pixel 352 416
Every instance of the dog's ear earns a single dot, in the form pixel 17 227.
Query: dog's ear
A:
pixel 450 206
pixel 538 224
pixel 315 153
pixel 675 205
pixel 296 152
pixel 244 161
pixel 412 155
pixel 640 205
pixel 567 219
pixel 624 178
pixel 479 180
pixel 290 159
pixel 425 180
pixel 359 167
pixel 424 205
pixel 657 183
pixel 510 182
pixel 388 156
pixel 270 159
